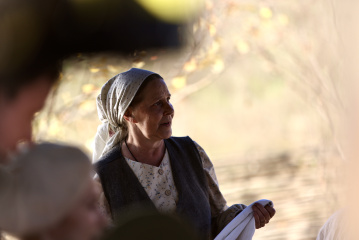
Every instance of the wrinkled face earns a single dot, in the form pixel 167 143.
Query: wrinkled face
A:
pixel 153 116
pixel 85 220
pixel 17 114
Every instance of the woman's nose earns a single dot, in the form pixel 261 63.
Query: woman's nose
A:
pixel 169 109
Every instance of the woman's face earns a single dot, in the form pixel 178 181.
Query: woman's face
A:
pixel 17 114
pixel 85 221
pixel 152 117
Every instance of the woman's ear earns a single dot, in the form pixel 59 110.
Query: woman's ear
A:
pixel 128 116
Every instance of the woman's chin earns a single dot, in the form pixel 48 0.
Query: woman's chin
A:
pixel 166 134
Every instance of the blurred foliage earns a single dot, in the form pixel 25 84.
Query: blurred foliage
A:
pixel 241 60
pixel 255 78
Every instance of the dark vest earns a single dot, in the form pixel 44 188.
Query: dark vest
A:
pixel 123 190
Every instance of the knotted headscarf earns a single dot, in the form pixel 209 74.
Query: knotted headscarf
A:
pixel 112 102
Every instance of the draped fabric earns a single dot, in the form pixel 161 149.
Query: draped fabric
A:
pixel 243 226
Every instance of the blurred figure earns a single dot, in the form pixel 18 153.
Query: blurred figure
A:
pixel 48 193
pixel 21 96
pixel 333 228
pixel 141 164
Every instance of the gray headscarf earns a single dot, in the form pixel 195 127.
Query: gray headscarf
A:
pixel 112 102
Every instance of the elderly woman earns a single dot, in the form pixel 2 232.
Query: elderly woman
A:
pixel 141 164
pixel 48 193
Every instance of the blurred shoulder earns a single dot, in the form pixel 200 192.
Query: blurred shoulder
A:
pixel 332 228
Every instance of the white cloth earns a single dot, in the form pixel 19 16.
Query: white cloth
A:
pixel 242 227
pixel 112 102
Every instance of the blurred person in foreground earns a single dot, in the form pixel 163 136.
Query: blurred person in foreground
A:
pixel 140 164
pixel 21 97
pixel 48 194
pixel 343 224
pixel 333 228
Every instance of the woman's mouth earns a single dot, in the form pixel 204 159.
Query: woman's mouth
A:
pixel 166 124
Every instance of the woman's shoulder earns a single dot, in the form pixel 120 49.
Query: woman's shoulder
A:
pixel 108 158
pixel 333 227
pixel 186 139
pixel 179 138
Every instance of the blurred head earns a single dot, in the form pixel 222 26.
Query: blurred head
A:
pixel 20 98
pixel 150 113
pixel 49 194
pixel 84 221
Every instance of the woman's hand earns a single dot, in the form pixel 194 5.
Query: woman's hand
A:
pixel 262 215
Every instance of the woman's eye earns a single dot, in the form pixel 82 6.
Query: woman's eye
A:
pixel 159 103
